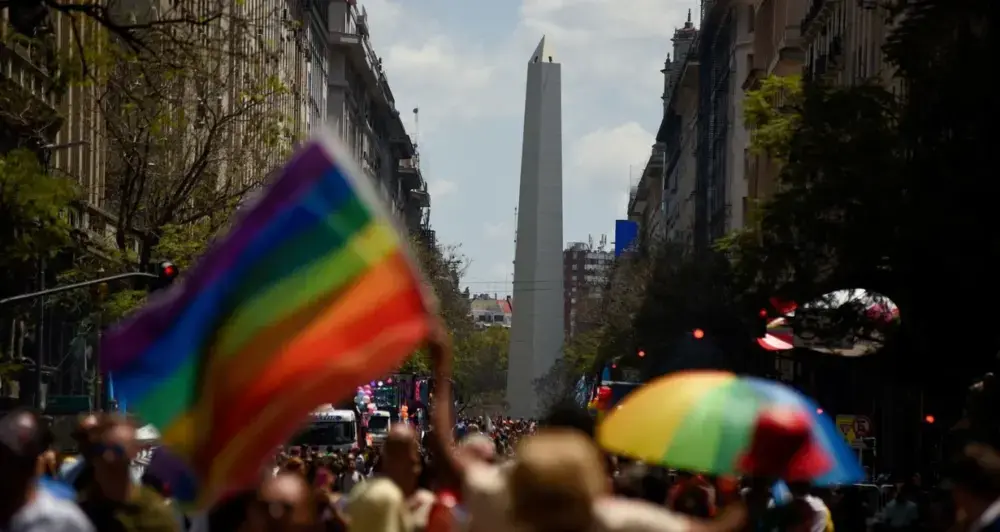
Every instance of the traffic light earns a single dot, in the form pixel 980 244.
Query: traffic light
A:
pixel 760 322
pixel 698 334
pixel 166 272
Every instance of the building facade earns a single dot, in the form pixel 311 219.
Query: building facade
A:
pixel 316 23
pixel 489 311
pixel 678 135
pixel 777 51
pixel 585 276
pixel 362 110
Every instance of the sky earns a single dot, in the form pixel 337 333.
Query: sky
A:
pixel 463 64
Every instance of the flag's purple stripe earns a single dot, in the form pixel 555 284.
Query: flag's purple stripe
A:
pixel 193 328
pixel 137 334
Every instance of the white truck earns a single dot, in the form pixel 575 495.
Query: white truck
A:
pixel 378 425
pixel 329 427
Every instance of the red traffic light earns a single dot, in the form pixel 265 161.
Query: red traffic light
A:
pixel 929 419
pixel 762 313
pixel 642 353
pixel 166 273
pixel 698 334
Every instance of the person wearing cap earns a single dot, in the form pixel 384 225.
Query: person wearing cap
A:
pixel 24 505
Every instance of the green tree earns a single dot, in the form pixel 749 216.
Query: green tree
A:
pixel 879 185
pixel 772 114
pixel 443 268
pixel 195 125
pixel 480 366
pixel 33 221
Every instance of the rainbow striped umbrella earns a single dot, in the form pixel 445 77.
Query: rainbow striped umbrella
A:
pixel 704 421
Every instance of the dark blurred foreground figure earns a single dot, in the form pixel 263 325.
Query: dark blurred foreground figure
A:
pixel 24 507
pixel 113 502
pixel 975 476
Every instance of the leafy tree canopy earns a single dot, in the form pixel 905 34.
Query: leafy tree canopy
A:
pixel 33 218
pixel 882 190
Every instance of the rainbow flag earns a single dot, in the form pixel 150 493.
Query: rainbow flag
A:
pixel 311 293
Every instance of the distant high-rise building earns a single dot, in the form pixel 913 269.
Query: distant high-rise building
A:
pixel 537 325
pixel 585 271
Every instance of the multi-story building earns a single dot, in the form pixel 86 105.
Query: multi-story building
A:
pixel 843 41
pixel 651 199
pixel 585 271
pixel 362 109
pixel 678 134
pixel 317 20
pixel 61 124
pixel 724 55
pixel 777 51
pixel 694 188
pixel 487 311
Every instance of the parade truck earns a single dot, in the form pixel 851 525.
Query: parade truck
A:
pixel 379 423
pixel 329 426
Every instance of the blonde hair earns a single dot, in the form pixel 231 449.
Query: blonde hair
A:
pixel 378 506
pixel 556 478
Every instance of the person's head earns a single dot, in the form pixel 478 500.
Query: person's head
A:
pixel 351 462
pixel 82 434
pixel 975 476
pixel 400 459
pixel 295 465
pixel 478 447
pixel 23 441
pixel 558 475
pixel 284 503
pixel 113 448
pixel 378 506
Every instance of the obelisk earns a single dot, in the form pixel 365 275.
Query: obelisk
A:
pixel 536 336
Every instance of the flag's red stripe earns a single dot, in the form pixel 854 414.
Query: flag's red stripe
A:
pixel 270 426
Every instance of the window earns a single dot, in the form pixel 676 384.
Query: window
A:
pixel 750 19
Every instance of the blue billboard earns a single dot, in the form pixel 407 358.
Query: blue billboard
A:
pixel 626 236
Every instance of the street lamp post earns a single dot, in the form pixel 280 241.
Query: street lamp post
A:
pixel 40 338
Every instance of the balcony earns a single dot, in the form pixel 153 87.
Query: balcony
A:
pixel 410 175
pixel 27 89
pixel 352 37
pixel 816 16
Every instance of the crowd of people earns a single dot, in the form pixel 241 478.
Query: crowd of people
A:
pixel 484 474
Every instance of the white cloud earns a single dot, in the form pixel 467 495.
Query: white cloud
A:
pixel 441 188
pixel 603 156
pixel 466 70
